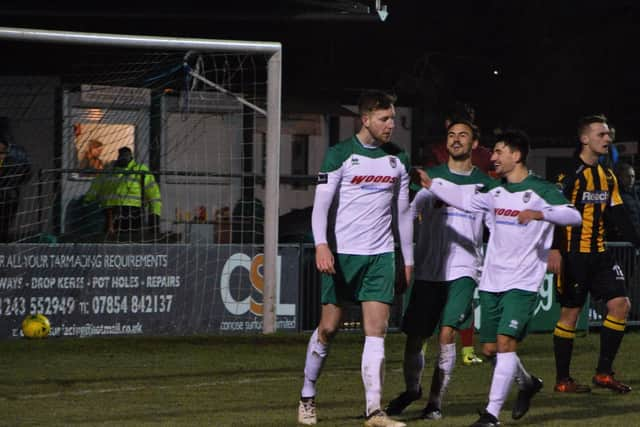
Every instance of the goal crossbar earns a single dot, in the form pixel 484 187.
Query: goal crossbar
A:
pixel 273 117
pixel 36 35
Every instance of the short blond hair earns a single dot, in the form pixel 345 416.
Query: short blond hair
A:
pixel 373 100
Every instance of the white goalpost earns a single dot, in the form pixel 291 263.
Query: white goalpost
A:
pixel 194 111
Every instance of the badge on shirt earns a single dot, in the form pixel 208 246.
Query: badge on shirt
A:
pixel 526 197
pixel 392 162
pixel 323 178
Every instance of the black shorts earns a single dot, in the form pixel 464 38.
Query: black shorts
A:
pixel 584 273
pixel 425 307
pixel 439 303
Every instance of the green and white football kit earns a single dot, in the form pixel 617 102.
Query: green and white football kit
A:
pixel 365 187
pixel 517 253
pixel 449 247
pixel 514 266
pixel 448 256
pixel 363 182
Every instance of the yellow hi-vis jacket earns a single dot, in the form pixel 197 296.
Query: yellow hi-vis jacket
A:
pixel 126 189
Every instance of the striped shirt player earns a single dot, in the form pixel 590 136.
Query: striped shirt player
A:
pixel 364 183
pixel 589 268
pixel 593 190
pixel 522 210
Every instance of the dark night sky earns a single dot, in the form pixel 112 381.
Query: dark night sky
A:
pixel 556 60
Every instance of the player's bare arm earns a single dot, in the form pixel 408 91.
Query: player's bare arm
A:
pixel 408 273
pixel 425 179
pixel 554 261
pixel 324 259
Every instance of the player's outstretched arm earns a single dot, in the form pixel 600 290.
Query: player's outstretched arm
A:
pixel 557 209
pixel 450 193
pixel 559 215
pixel 563 215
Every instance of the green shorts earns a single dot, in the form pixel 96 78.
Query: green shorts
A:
pixel 506 313
pixel 439 303
pixel 360 278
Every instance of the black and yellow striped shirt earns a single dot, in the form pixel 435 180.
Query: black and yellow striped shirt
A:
pixel 592 190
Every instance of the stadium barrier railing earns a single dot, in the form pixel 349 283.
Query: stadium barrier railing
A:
pixel 624 253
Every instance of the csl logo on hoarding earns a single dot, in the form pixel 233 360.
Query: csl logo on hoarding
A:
pixel 255 268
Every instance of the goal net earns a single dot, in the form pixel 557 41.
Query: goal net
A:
pixel 139 184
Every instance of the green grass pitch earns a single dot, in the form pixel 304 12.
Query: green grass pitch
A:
pixel 255 381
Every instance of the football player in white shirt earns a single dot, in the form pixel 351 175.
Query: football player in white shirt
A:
pixel 448 256
pixel 364 176
pixel 523 210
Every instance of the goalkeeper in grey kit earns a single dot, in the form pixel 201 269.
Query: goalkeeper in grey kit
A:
pixel 523 210
pixel 364 177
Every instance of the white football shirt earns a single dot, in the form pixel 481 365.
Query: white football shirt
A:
pixel 517 254
pixel 449 240
pixel 363 182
